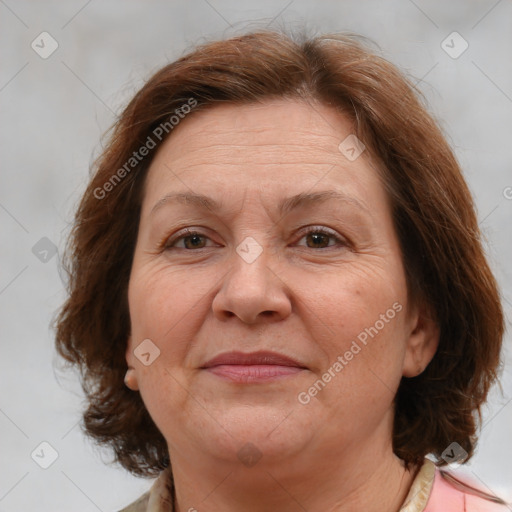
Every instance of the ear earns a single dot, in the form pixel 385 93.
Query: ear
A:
pixel 130 379
pixel 422 342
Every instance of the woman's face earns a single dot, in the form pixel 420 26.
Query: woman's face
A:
pixel 293 252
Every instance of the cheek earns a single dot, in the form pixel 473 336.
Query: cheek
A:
pixel 356 301
pixel 360 314
pixel 165 306
pixel 164 398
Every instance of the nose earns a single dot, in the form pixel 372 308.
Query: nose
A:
pixel 253 292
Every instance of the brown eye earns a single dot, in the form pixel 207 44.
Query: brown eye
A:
pixel 319 238
pixel 194 241
pixel 191 240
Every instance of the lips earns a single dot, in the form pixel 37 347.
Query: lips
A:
pixel 255 358
pixel 253 367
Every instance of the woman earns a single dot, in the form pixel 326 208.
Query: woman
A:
pixel 278 297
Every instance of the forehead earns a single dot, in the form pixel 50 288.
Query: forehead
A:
pixel 303 127
pixel 275 149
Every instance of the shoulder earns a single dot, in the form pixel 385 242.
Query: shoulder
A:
pixel 158 499
pixel 452 493
pixel 141 505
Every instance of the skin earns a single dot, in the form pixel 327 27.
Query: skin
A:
pixel 305 297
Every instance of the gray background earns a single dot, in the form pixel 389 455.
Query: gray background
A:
pixel 53 114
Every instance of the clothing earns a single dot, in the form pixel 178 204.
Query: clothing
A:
pixel 434 490
pixel 431 491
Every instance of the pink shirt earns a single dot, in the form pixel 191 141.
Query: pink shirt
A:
pixel 434 490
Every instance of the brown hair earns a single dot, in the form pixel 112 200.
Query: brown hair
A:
pixel 432 209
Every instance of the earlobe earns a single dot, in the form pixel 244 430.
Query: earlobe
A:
pixel 421 344
pixel 130 379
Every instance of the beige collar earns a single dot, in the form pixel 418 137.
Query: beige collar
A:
pixel 160 495
pixel 416 500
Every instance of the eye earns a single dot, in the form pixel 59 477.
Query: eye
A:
pixel 319 238
pixel 316 238
pixel 191 240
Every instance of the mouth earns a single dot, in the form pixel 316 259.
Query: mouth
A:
pixel 253 367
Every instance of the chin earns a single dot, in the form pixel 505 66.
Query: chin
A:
pixel 246 433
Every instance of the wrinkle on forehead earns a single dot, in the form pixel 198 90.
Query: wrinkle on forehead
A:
pixel 228 130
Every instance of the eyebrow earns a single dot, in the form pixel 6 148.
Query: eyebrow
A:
pixel 286 206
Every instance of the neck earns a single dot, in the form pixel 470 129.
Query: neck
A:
pixel 353 479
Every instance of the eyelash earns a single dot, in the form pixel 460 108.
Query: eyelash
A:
pixel 167 244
